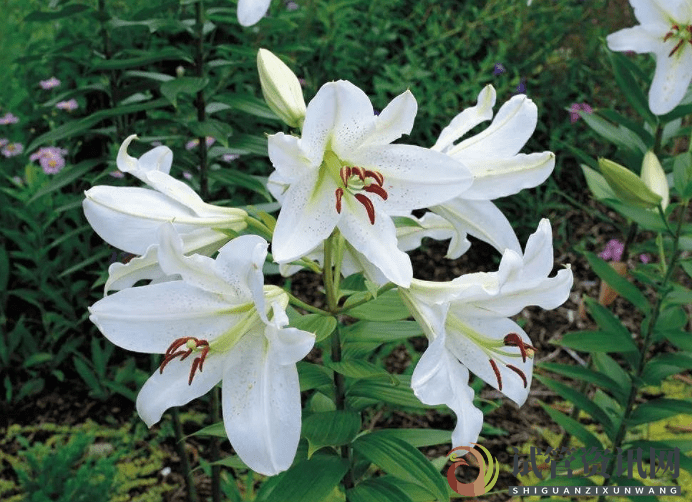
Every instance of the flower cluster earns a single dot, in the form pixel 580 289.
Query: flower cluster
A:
pixel 576 108
pixel 8 118
pixel 341 179
pixel 69 105
pixel 51 159
pixel 51 83
pixel 10 149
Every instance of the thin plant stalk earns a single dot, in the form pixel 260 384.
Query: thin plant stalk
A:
pixel 214 447
pixel 200 100
pixel 182 453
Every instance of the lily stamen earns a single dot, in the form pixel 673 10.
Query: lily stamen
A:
pixel 518 372
pixel 192 344
pixel 497 374
pixel 339 194
pixel 514 340
pixel 367 203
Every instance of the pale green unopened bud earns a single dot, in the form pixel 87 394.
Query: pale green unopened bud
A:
pixel 628 186
pixel 654 177
pixel 281 88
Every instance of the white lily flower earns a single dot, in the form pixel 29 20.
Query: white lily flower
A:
pixel 466 322
pixel 344 173
pixel 218 323
pixel 129 217
pixel 497 167
pixel 251 11
pixel 665 29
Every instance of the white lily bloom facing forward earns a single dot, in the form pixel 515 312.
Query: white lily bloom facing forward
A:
pixel 466 322
pixel 344 173
pixel 218 323
pixel 665 29
pixel 497 167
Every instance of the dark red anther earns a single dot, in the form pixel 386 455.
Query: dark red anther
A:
pixel 497 374
pixel 172 352
pixel 345 174
pixel 676 47
pixel 376 189
pixel 339 194
pixel 518 372
pixel 514 340
pixel 367 203
pixel 668 35
pixel 377 176
pixel 358 171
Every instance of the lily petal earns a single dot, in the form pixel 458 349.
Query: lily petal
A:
pixel 467 119
pixel 251 11
pixel 308 216
pixel 671 79
pixel 395 120
pixel 640 39
pixel 170 388
pixel 261 406
pixel 480 218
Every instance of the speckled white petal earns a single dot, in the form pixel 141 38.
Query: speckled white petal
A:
pixel 395 120
pixel 504 137
pixel 671 79
pixel 288 158
pixel 170 388
pixel 240 263
pixel 377 242
pixel 129 217
pixel 478 361
pixel 354 117
pixel 637 38
pixel 414 177
pixel 467 119
pixel 149 318
pixel 261 406
pixel 308 216
pixel 502 177
pixel 440 379
pixel 355 262
pixel 429 225
pixel 251 11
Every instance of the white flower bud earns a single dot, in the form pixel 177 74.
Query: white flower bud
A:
pixel 281 89
pixel 654 177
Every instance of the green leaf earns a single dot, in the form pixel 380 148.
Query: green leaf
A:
pixel 210 128
pixel 381 391
pixel 376 490
pixel 580 400
pixel 597 184
pixel 67 11
pixel 658 409
pixel 145 58
pixel 680 339
pixel 213 430
pixel 609 323
pixel 609 367
pixel 664 365
pixel 420 437
pixel 387 307
pixel 374 331
pixel 322 326
pixel 330 428
pixel 595 341
pixel 624 288
pixel 618 135
pixel 400 459
pixel 313 376
pixel 647 219
pixel 248 104
pixel 183 85
pixel 573 427
pixel 682 174
pixel 37 358
pixel 87 375
pixel 311 480
pixel 671 319
pixel 629 86
pixel 357 368
pixel 587 375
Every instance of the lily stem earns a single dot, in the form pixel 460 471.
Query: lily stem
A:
pixel 182 453
pixel 214 447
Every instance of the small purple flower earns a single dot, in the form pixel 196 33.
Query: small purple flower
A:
pixel 156 143
pixel 644 258
pixel 499 68
pixel 50 83
pixel 18 180
pixel 576 108
pixel 191 144
pixel 290 5
pixel 8 118
pixel 117 174
pixel 47 151
pixel 521 88
pixel 187 175
pixel 12 149
pixel 52 163
pixel 68 105
pixel 612 251
pixel 3 142
pixel 230 157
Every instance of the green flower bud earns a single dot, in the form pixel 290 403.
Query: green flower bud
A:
pixel 627 185
pixel 281 89
pixel 654 177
